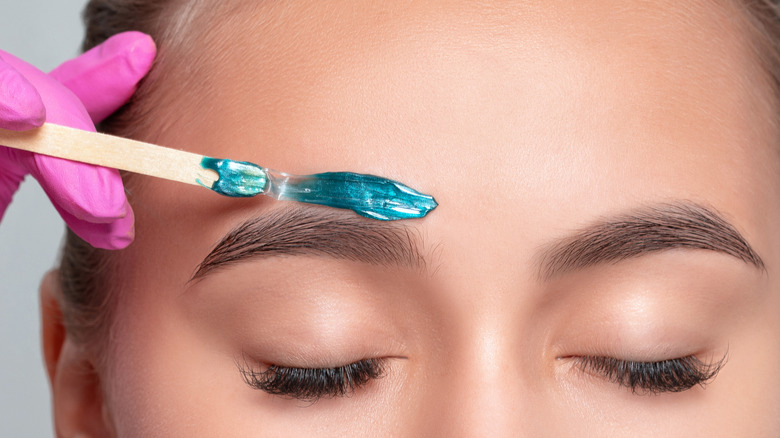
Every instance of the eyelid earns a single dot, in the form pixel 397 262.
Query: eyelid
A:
pixel 655 377
pixel 312 384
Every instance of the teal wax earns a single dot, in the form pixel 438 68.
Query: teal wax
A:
pixel 367 195
pixel 236 178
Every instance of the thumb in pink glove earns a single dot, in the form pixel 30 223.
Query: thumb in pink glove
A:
pixel 90 199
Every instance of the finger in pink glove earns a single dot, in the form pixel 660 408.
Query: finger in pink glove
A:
pixel 21 106
pixel 90 199
pixel 105 77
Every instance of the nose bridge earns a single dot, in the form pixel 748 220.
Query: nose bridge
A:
pixel 481 391
pixel 481 383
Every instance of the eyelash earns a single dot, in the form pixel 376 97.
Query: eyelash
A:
pixel 312 384
pixel 672 375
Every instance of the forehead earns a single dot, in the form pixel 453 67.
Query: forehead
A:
pixel 515 115
pixel 311 70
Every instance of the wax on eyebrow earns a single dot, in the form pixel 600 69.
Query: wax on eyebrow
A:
pixel 368 195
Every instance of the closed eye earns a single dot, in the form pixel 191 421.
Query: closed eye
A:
pixel 671 375
pixel 312 384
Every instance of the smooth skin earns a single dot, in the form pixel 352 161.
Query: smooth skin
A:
pixel 527 121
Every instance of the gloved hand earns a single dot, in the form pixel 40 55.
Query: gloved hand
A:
pixel 78 93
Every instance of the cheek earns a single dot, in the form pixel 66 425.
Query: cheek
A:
pixel 161 382
pixel 165 382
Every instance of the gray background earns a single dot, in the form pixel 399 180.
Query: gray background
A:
pixel 44 33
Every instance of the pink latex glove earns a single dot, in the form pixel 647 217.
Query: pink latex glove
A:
pixel 78 93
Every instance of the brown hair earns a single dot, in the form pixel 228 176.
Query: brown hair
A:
pixel 763 18
pixel 86 272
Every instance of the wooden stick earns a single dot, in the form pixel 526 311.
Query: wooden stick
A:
pixel 111 151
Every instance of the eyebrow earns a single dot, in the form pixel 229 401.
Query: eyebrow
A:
pixel 646 230
pixel 315 231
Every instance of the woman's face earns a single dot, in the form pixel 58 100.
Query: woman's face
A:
pixel 573 277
